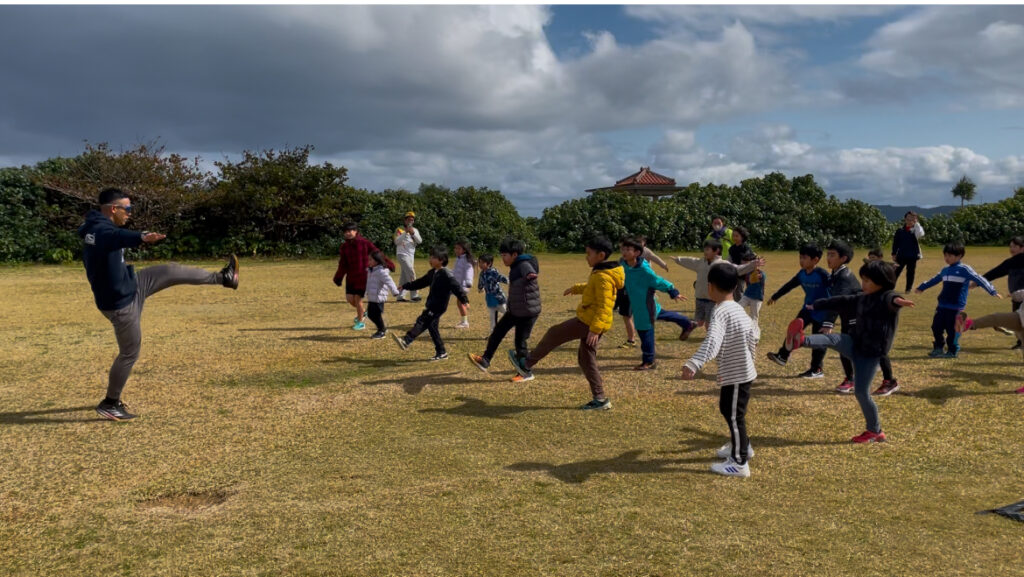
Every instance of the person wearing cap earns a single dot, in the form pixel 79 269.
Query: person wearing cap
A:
pixel 406 239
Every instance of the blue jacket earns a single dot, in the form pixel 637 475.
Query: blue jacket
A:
pixel 956 280
pixel 489 281
pixel 112 281
pixel 815 285
pixel 755 290
pixel 641 284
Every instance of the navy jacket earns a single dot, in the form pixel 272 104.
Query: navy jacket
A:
pixel 112 281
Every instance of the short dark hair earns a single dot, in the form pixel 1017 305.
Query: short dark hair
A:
pixel 512 246
pixel 600 243
pixel 714 244
pixel 742 231
pixel 880 272
pixel 810 249
pixel 842 249
pixel 909 213
pixel 876 252
pixel 350 225
pixel 954 248
pixel 718 217
pixel 110 194
pixel 632 242
pixel 487 258
pixel 724 277
pixel 1017 240
pixel 440 252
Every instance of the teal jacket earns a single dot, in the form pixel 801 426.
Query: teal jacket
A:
pixel 641 284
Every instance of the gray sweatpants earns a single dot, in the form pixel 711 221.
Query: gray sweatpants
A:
pixel 126 320
pixel 407 274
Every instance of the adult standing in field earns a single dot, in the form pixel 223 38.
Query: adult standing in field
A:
pixel 906 250
pixel 721 233
pixel 407 237
pixel 354 263
pixel 120 293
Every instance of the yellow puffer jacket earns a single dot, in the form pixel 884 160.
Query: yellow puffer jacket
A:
pixel 595 310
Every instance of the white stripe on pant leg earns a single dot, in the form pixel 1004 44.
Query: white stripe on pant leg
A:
pixel 734 428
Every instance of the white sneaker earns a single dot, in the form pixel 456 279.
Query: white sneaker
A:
pixel 462 325
pixel 725 451
pixel 729 468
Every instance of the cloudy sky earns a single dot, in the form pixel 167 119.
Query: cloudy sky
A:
pixel 888 104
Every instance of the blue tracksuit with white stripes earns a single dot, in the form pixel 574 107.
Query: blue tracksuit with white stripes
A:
pixel 956 281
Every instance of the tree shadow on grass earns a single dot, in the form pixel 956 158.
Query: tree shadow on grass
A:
pixel 286 329
pixel 704 440
pixel 328 338
pixel 37 417
pixel 627 462
pixel 472 407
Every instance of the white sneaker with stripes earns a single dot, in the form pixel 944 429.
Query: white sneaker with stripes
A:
pixel 730 468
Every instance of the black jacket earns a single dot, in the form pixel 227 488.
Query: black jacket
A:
pixel 112 281
pixel 1012 268
pixel 524 293
pixel 877 317
pixel 442 285
pixel 905 247
pixel 843 282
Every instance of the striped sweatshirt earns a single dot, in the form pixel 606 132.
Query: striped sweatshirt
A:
pixel 956 280
pixel 732 338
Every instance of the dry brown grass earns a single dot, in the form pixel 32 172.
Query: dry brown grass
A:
pixel 273 440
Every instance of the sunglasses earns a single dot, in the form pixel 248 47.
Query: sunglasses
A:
pixel 126 209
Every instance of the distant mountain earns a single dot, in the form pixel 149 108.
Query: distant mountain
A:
pixel 895 213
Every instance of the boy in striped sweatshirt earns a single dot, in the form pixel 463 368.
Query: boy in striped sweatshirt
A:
pixel 956 280
pixel 731 338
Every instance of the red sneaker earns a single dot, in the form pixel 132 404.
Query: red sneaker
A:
pixel 845 387
pixel 1020 391
pixel 869 437
pixel 795 334
pixel 963 323
pixel 887 388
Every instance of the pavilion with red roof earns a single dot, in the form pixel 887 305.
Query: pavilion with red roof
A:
pixel 645 182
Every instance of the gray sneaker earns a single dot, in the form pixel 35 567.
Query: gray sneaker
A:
pixel 114 411
pixel 400 340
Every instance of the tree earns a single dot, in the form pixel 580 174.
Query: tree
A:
pixel 161 185
pixel 964 190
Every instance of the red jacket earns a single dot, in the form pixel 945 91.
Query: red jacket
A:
pixel 354 261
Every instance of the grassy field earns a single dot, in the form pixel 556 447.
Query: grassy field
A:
pixel 274 440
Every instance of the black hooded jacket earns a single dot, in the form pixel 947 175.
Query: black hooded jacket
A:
pixel 112 281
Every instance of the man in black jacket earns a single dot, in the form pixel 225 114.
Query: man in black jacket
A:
pixel 906 250
pixel 442 286
pixel 523 307
pixel 120 293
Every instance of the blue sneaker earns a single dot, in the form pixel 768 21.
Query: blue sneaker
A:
pixel 951 354
pixel 518 365
pixel 359 326
pixel 936 353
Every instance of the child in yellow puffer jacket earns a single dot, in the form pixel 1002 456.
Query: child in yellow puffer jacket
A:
pixel 593 319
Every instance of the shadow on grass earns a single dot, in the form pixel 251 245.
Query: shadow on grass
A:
pixel 705 440
pixel 37 417
pixel 286 329
pixel 329 338
pixel 760 388
pixel 940 394
pixel 627 462
pixel 376 363
pixel 471 407
pixel 414 385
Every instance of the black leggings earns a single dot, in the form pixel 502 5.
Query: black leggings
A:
pixel 911 266
pixel 523 326
pixel 375 311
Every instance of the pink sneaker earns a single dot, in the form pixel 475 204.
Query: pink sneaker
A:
pixel 795 334
pixel 1020 391
pixel 869 437
pixel 963 324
